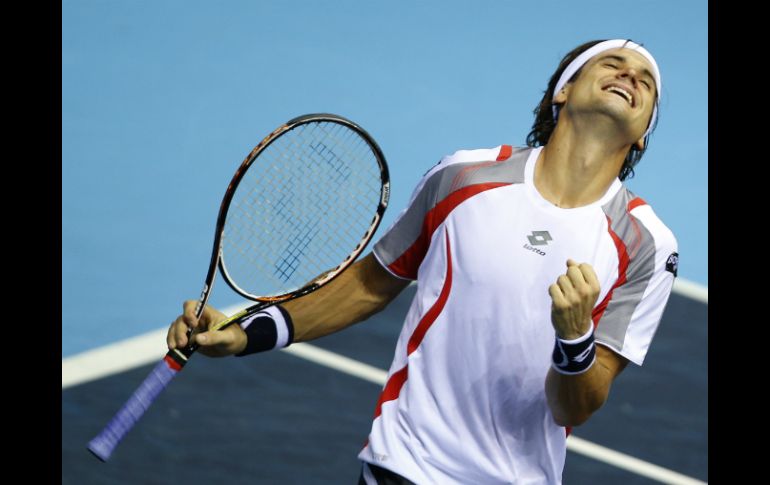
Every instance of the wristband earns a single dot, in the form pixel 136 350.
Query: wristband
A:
pixel 574 356
pixel 269 329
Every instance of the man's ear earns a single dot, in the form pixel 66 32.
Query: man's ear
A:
pixel 561 96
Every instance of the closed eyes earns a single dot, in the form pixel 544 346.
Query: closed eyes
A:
pixel 642 81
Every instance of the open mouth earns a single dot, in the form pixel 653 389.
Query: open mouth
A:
pixel 622 93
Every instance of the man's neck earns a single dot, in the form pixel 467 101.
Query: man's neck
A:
pixel 577 167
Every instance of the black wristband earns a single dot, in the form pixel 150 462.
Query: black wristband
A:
pixel 269 329
pixel 574 356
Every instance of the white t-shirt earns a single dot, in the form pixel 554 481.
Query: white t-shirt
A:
pixel 465 398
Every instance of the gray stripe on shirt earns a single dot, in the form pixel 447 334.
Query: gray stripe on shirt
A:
pixel 640 245
pixel 440 185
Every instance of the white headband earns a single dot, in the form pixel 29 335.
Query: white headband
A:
pixel 584 57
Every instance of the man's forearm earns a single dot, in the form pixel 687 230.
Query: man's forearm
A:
pixel 359 292
pixel 574 398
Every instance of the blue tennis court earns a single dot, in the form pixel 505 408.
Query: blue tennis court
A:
pixel 300 417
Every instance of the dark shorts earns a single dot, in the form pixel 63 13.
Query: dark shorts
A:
pixel 381 476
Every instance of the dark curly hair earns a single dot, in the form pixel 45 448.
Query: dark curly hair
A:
pixel 545 122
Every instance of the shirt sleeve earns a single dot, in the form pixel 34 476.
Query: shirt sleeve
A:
pixel 402 249
pixel 453 180
pixel 397 250
pixel 629 319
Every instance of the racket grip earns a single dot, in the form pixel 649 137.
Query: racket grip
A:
pixel 105 442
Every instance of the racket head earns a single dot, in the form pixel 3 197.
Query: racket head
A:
pixel 301 208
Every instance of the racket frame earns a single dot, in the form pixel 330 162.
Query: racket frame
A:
pixel 216 253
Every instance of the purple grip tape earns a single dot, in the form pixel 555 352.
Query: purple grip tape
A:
pixel 104 444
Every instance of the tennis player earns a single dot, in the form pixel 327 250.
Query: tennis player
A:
pixel 539 277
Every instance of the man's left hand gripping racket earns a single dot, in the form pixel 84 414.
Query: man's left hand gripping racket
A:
pixel 305 202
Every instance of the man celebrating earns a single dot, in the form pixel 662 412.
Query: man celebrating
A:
pixel 525 259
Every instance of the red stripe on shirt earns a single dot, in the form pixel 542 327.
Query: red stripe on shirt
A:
pixel 505 153
pixel 435 310
pixel 634 203
pixel 392 389
pixel 623 261
pixel 406 265
pixel 396 381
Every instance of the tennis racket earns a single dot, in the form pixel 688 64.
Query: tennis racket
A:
pixel 300 209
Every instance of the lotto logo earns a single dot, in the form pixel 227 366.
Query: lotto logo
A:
pixel 539 238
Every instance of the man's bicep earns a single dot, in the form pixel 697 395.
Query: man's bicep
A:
pixel 378 281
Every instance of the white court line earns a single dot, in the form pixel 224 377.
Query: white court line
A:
pixel 626 462
pixel 151 347
pixel 111 359
pixel 691 289
pixel 338 362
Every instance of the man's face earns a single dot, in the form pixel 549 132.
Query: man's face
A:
pixel 617 82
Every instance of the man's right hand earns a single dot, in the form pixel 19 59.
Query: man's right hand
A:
pixel 217 343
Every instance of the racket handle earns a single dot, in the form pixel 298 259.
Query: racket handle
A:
pixel 105 442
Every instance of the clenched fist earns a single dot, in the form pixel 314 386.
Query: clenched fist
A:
pixel 573 297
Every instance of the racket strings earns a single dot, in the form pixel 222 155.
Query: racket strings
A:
pixel 303 206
